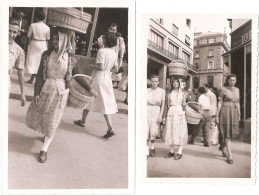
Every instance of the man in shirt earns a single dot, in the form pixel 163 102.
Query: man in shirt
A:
pixel 16 56
pixel 205 122
pixel 22 39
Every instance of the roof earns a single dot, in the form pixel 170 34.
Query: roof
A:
pixel 208 34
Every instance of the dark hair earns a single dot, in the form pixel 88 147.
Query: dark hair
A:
pixel 54 32
pixel 113 25
pixel 13 21
pixel 154 76
pixel 228 77
pixel 110 39
pixel 202 90
pixel 40 15
pixel 174 79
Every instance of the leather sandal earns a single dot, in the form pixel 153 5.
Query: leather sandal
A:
pixel 43 156
pixel 79 123
pixel 177 156
pixel 169 155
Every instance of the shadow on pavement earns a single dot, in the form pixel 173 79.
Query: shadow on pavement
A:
pixel 17 118
pixel 16 140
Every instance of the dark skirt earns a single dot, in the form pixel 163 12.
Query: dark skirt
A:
pixel 228 119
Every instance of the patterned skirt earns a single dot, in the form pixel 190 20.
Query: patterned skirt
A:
pixel 153 126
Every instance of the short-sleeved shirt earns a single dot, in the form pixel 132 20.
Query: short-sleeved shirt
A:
pixel 213 102
pixel 155 96
pixel 204 101
pixel 16 57
pixel 229 94
pixel 39 31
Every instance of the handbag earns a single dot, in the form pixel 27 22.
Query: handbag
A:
pixel 214 135
pixel 33 116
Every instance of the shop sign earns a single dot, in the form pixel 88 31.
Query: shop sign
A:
pixel 242 36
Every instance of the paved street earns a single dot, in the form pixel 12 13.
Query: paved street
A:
pixel 78 158
pixel 202 162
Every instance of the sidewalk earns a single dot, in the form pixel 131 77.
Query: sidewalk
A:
pixel 29 90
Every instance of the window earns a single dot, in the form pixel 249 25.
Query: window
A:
pixel 197 42
pixel 196 66
pixel 197 54
pixel 175 30
pixel 210 65
pixel 211 40
pixel 156 39
pixel 187 40
pixel 159 20
pixel 211 53
pixel 196 82
pixel 210 80
pixel 188 22
pixel 173 49
pixel 186 57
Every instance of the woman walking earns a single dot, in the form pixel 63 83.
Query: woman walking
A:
pixel 228 114
pixel 51 90
pixel 39 34
pixel 155 108
pixel 176 126
pixel 105 103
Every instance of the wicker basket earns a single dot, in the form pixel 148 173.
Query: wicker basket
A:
pixel 69 18
pixel 178 68
pixel 192 116
pixel 79 97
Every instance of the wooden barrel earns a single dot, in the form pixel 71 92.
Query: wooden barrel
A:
pixel 177 68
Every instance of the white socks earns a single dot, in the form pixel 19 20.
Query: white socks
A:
pixel 46 143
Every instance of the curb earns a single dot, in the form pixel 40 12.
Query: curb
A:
pixel 30 98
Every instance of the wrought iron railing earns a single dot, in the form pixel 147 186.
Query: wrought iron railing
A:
pixel 159 49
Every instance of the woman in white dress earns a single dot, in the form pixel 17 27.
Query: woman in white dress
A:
pixel 176 125
pixel 155 108
pixel 105 102
pixel 38 34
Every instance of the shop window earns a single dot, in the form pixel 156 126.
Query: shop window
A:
pixel 175 30
pixel 210 80
pixel 187 40
pixel 210 64
pixel 173 50
pixel 196 82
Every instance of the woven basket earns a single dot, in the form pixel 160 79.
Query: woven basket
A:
pixel 69 18
pixel 178 68
pixel 192 116
pixel 79 97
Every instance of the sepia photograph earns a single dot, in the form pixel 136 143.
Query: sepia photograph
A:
pixel 68 97
pixel 199 96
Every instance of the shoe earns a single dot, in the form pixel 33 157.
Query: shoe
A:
pixel 125 102
pixel 152 153
pixel 220 147
pixel 191 142
pixel 109 133
pixel 29 81
pixel 43 139
pixel 79 123
pixel 177 156
pixel 206 145
pixel 169 155
pixel 43 156
pixel 116 87
pixel 230 161
pixel 224 154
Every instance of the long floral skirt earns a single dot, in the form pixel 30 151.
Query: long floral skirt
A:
pixel 45 117
pixel 176 127
pixel 153 126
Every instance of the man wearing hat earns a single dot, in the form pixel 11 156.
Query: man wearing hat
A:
pixel 16 56
pixel 22 38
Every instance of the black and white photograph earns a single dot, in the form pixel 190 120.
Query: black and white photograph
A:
pixel 199 96
pixel 68 97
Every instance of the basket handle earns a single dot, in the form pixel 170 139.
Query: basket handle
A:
pixel 194 103
pixel 83 75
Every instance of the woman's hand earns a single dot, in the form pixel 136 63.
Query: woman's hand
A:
pixel 159 120
pixel 217 119
pixel 37 99
pixel 164 121
pixel 67 84
pixel 23 100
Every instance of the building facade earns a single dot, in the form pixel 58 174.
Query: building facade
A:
pixel 169 39
pixel 239 60
pixel 208 61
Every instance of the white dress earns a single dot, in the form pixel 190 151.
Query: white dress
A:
pixel 38 34
pixel 176 125
pixel 105 101
pixel 154 101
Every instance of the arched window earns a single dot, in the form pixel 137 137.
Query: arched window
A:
pixel 210 80
pixel 210 64
pixel 196 82
pixel 196 66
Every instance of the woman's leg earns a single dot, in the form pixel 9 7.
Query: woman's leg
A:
pixel 108 121
pixel 171 148
pixel 84 115
pixel 180 150
pixel 228 146
pixel 46 143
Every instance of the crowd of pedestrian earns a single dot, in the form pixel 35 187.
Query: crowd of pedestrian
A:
pixel 49 60
pixel 168 113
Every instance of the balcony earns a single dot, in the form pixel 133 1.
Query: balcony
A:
pixel 214 70
pixel 165 53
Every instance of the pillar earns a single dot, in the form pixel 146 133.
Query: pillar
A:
pixel 92 32
pixel 162 76
pixel 244 83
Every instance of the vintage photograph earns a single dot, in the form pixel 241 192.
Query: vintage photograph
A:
pixel 68 103
pixel 199 96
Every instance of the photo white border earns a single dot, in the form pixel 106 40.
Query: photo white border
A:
pixel 187 8
pixel 4 13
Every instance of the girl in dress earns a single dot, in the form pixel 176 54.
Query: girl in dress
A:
pixel 105 102
pixel 51 90
pixel 228 114
pixel 155 108
pixel 174 117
